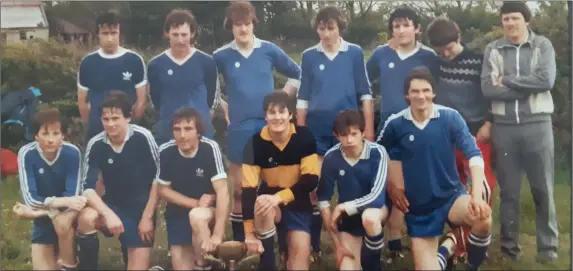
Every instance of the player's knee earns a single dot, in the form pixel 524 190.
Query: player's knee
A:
pixel 482 227
pixel 271 214
pixel 237 195
pixel 199 216
pixel 371 216
pixel 64 227
pixel 396 220
pixel 87 219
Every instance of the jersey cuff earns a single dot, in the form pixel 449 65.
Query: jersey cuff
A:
pixel 248 226
pixel 323 204
pixel 163 182
pixel 88 191
pixel 301 104
pixel 141 84
pixel 53 213
pixel 286 195
pixel 219 176
pixel 82 87
pixel 48 200
pixel 476 161
pixel 293 82
pixel 350 208
pixel 366 97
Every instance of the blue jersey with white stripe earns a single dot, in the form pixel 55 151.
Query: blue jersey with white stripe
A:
pixel 249 79
pixel 41 179
pixel 328 86
pixel 100 73
pixel 174 84
pixel 128 173
pixel 192 176
pixel 428 154
pixel 392 68
pixel 361 185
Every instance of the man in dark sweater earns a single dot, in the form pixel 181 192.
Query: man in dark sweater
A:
pixel 459 87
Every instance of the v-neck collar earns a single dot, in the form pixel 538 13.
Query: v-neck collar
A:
pixel 41 152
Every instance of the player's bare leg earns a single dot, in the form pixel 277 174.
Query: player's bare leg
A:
pixel 44 257
pixel 63 224
pixel 395 225
pixel 299 250
pixel 138 258
pixel 479 238
pixel 265 230
pixel 424 252
pixel 373 220
pixel 354 245
pixel 182 257
pixel 236 217
pixel 200 219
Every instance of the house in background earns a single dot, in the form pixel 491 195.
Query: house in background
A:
pixel 21 21
pixel 67 32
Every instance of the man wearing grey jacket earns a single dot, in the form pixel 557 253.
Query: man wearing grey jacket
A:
pixel 517 76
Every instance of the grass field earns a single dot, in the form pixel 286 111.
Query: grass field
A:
pixel 15 249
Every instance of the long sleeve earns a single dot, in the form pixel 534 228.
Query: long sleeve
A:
pixel 377 196
pixel 372 68
pixel 73 171
pixel 463 138
pixel 285 65
pixel 251 175
pixel 361 80
pixel 303 94
pixel 326 185
pixel 27 178
pixel 211 82
pixel 542 78
pixel 389 139
pixel 489 79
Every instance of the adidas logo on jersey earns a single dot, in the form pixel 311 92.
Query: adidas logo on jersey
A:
pixel 199 172
pixel 126 76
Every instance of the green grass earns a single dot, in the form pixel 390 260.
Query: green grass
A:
pixel 15 239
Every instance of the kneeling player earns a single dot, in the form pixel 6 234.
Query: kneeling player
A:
pixel 284 157
pixel 191 174
pixel 358 168
pixel 124 156
pixel 424 138
pixel 49 171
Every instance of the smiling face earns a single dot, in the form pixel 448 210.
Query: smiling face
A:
pixel 113 121
pixel 278 118
pixel 420 94
pixel 514 25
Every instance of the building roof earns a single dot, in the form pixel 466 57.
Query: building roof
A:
pixel 22 15
pixel 63 26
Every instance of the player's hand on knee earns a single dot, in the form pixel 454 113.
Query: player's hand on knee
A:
pixel 479 209
pixel 337 214
pixel 210 245
pixel 113 223
pixel 398 197
pixel 76 203
pixel 254 244
pixel 266 203
pixel 207 200
pixel 145 229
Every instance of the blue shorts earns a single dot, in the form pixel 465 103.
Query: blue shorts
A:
pixel 352 225
pixel 178 230
pixel 130 236
pixel 43 232
pixel 295 221
pixel 431 224
pixel 237 140
pixel 325 143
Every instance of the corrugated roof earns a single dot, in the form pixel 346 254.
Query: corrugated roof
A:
pixel 24 15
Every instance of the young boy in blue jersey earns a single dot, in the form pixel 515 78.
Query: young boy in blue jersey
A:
pixel 358 168
pixel 247 65
pixel 124 157
pixel 333 78
pixel 390 64
pixel 191 175
pixel 284 157
pixel 423 139
pixel 182 76
pixel 111 67
pixel 49 173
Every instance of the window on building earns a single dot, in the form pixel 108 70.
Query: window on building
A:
pixel 23 35
pixel 4 37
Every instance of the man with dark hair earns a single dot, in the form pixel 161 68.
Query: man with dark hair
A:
pixel 333 79
pixel 358 168
pixel 459 87
pixel 182 76
pixel 284 157
pixel 191 177
pixel 111 67
pixel 124 158
pixel 390 64
pixel 247 65
pixel 49 173
pixel 518 74
pixel 422 139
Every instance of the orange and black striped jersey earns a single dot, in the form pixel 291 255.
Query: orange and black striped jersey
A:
pixel 289 170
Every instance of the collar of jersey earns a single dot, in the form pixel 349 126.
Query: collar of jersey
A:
pixel 343 46
pixel 128 134
pixel 365 154
pixel 256 44
pixel 433 115
pixel 265 135
pixel 120 51
pixel 41 152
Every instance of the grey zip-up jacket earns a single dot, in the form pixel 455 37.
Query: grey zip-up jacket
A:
pixel 528 75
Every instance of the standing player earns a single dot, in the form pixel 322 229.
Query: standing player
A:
pixel 333 78
pixel 111 67
pixel 49 171
pixel 284 157
pixel 182 76
pixel 124 157
pixel 357 167
pixel 247 66
pixel 424 138
pixel 191 174
pixel 391 64
pixel 459 87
